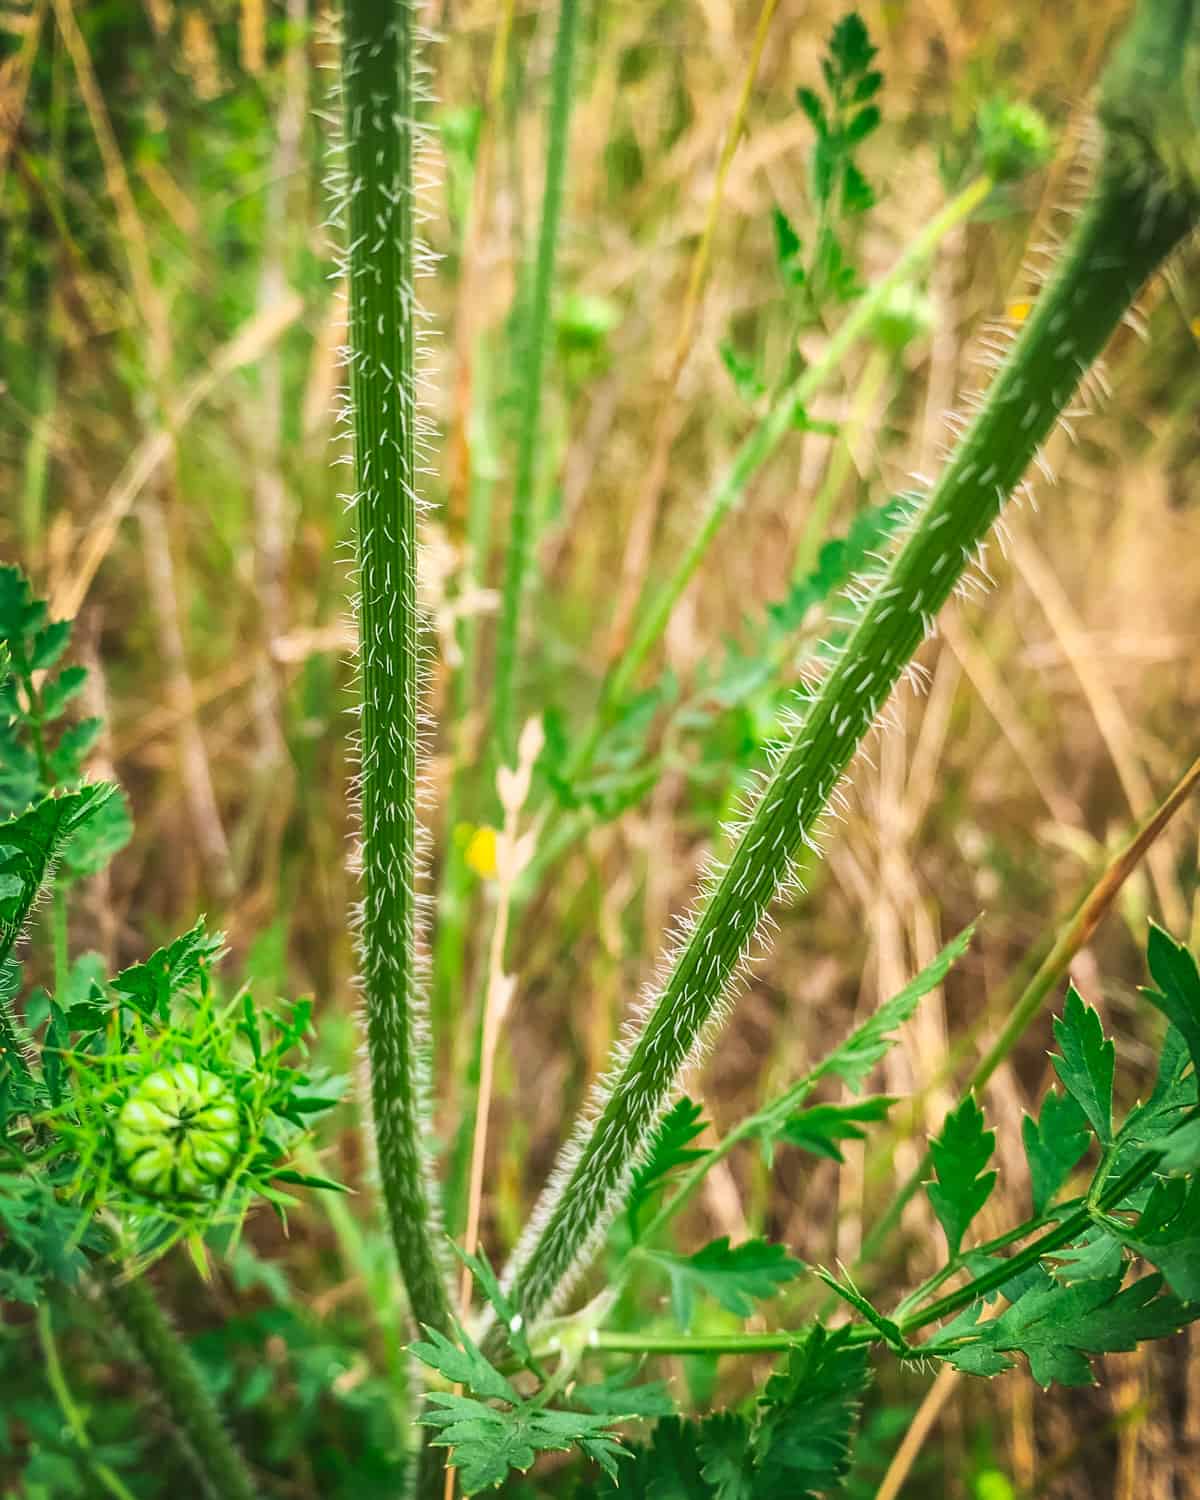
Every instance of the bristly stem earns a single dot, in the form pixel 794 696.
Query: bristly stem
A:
pixel 180 1386
pixel 537 324
pixel 1127 228
pixel 380 104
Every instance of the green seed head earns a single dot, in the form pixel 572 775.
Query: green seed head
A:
pixel 179 1132
pixel 1014 139
pixel 906 315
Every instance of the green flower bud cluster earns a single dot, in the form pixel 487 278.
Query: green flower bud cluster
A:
pixel 178 1132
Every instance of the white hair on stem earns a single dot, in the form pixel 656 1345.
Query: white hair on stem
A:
pixel 938 550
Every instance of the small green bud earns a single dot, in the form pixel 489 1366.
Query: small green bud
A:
pixel 1014 139
pixel 583 321
pixel 906 314
pixel 178 1132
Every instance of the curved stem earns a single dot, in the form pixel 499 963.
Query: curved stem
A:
pixel 1124 234
pixel 380 102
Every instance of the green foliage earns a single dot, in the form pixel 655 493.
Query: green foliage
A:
pixel 795 1445
pixel 1056 1328
pixel 960 1154
pixel 490 1440
pixel 153 1107
pixel 735 1275
pixel 671 1149
pixel 839 188
pixel 1085 1063
pixel 144 1110
pixel 1054 1145
pixel 1174 971
pixel 819 1128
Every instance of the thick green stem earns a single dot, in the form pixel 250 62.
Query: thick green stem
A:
pixel 1124 234
pixel 537 329
pixel 179 1385
pixel 380 104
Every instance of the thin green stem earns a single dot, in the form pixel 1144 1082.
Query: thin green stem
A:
pixel 178 1383
pixel 1055 1239
pixel 759 446
pixel 381 103
pixel 1049 973
pixel 1123 235
pixel 874 377
pixel 72 1414
pixel 537 332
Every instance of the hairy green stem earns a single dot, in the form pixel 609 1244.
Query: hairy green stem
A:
pixel 179 1384
pixel 1126 230
pixel 537 332
pixel 380 104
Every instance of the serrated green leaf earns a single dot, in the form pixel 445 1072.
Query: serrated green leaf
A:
pixel 1055 1144
pixel 735 1275
pixel 509 1319
pixel 1093 1257
pixel 618 1396
pixel 1182 1149
pixel 463 1365
pixel 853 1061
pixel 850 47
pixel 490 1441
pixel 169 971
pixel 1173 969
pixel 57 692
pixel 820 1128
pixel 1167 1234
pixel 30 844
pixel 808 1415
pixel 670 1149
pixel 960 1154
pixel 666 1468
pixel 1058 1327
pixel 48 645
pixel 1085 1064
pixel 104 834
pixel 726 1458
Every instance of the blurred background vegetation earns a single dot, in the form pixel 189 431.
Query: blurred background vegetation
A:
pixel 170 328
